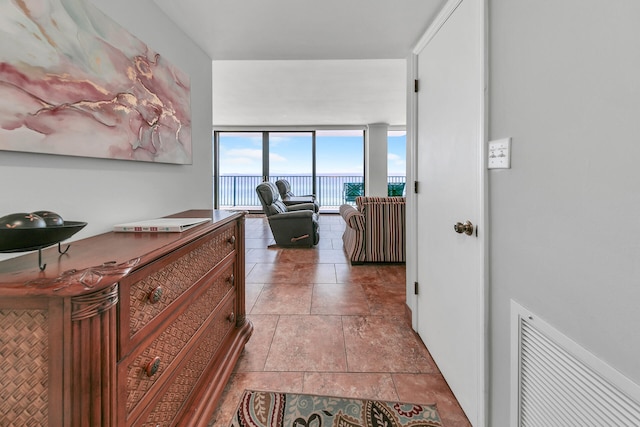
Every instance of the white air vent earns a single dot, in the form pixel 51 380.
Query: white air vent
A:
pixel 555 382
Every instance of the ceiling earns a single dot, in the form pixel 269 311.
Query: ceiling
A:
pixel 306 30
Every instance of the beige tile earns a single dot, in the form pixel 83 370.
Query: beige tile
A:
pixel 261 255
pixel 315 273
pixel 330 233
pixel 332 256
pixel 325 243
pixel 307 343
pixel 260 243
pixel 378 386
pixel 252 291
pixel 385 299
pixel 384 344
pixel 298 255
pixel 337 227
pixel 271 273
pixel 339 299
pixel 285 298
pixel 337 244
pixel 367 273
pixel 393 273
pixel 262 231
pixel 255 352
pixel 248 266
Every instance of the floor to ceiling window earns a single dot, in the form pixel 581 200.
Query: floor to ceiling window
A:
pixel 327 163
pixel 340 166
pixel 396 162
pixel 238 168
pixel 291 158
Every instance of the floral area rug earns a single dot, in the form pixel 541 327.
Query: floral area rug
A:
pixel 273 409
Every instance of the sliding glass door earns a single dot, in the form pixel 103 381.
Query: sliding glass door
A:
pixel 291 158
pixel 329 164
pixel 397 163
pixel 340 166
pixel 245 159
pixel 238 168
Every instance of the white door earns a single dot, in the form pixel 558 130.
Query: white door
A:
pixel 450 136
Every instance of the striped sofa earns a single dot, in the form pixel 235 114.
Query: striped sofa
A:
pixel 375 231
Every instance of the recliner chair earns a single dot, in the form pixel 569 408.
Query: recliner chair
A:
pixel 295 225
pixel 288 198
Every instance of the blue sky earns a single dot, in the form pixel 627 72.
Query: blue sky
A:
pixel 338 152
pixel 397 153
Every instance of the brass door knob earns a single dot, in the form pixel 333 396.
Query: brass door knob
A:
pixel 231 317
pixel 231 240
pixel 466 228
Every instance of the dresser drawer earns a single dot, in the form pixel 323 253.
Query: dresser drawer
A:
pixel 153 288
pixel 167 406
pixel 146 365
pixel 81 344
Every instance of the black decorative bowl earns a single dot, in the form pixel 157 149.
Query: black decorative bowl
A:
pixel 31 239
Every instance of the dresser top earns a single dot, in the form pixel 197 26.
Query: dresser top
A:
pixel 95 262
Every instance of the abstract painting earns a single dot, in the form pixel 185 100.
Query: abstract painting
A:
pixel 73 82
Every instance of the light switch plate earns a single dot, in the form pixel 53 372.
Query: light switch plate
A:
pixel 500 154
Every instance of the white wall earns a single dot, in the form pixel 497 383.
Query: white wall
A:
pixel 565 235
pixel 104 192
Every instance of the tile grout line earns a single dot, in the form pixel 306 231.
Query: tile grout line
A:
pixel 264 364
pixel 344 340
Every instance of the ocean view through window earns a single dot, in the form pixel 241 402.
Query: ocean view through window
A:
pixel 397 153
pixel 324 162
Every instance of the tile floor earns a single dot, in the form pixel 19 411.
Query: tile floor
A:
pixel 322 326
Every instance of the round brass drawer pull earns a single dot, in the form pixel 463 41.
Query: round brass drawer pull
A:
pixel 155 295
pixel 152 367
pixel 231 279
pixel 231 240
pixel 231 317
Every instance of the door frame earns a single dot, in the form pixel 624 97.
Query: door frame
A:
pixel 482 190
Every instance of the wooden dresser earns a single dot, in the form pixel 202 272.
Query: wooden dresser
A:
pixel 124 329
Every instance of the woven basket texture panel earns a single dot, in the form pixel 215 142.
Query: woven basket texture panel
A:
pixel 172 401
pixel 175 279
pixel 24 345
pixel 173 338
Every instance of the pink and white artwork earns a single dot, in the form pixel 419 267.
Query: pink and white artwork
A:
pixel 73 82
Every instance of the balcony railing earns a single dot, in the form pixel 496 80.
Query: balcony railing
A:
pixel 240 190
